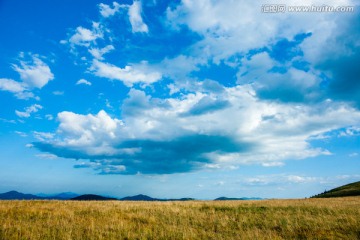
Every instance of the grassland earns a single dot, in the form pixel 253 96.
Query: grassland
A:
pixel 331 218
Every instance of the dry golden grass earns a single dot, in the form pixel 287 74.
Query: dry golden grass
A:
pixel 335 218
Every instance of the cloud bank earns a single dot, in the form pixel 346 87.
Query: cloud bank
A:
pixel 247 88
pixel 199 131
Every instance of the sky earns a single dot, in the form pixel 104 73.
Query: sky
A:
pixel 180 98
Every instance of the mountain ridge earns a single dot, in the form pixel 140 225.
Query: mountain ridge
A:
pixel 236 199
pixel 15 195
pixel 348 190
pixel 92 197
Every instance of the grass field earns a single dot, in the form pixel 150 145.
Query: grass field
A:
pixel 333 218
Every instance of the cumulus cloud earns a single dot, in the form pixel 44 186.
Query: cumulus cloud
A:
pixel 83 82
pixel 108 11
pixel 34 73
pixel 88 130
pixel 135 18
pixel 28 111
pixel 84 36
pixel 168 135
pixel 129 75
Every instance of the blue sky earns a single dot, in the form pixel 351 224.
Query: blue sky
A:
pixel 178 98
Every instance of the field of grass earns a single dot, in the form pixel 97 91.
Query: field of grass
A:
pixel 332 218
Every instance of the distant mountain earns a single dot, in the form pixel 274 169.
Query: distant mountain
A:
pixel 64 196
pixel 180 199
pixel 14 195
pixel 59 196
pixel 92 197
pixel 234 199
pixel 142 197
pixel 139 197
pixel 352 189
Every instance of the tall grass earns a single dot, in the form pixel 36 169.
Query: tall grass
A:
pixel 337 218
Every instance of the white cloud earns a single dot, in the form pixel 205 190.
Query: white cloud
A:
pixel 29 145
pixel 230 27
pixel 84 82
pixel 129 75
pixel 98 53
pixel 7 121
pixel 178 67
pixel 106 10
pixel 43 136
pixel 58 93
pixel 93 133
pixel 279 131
pixel 300 179
pixel 273 164
pixel 274 131
pixel 49 117
pixel 26 95
pixel 11 85
pixel 84 36
pixel 270 132
pixel 28 111
pixel 46 156
pixel 35 73
pixel 276 179
pixel 109 169
pixel 21 134
pixel 350 131
pixel 17 88
pixel 107 104
pixel 135 18
pixel 292 85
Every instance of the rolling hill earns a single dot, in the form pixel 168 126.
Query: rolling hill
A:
pixel 92 197
pixel 352 189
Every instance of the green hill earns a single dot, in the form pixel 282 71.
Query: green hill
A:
pixel 352 189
